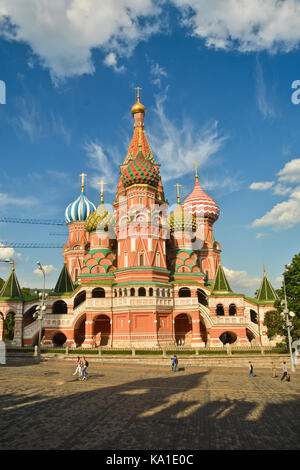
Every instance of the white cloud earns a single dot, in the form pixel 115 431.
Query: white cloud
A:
pixel 260 235
pixel 6 200
pixel 157 73
pixel 245 25
pixel 111 61
pixel 8 253
pixel 49 269
pixel 263 101
pixel 241 279
pixel 290 172
pixel 102 162
pixel 281 190
pixel 283 215
pixel 31 120
pixel 62 33
pixel 178 147
pixel 261 186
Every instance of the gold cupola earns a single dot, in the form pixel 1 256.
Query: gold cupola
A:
pixel 138 107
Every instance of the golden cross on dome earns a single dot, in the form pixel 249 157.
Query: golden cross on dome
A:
pixel 196 172
pixel 83 175
pixel 101 183
pixel 178 194
pixel 138 92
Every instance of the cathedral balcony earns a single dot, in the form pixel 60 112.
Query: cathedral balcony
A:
pixel 184 302
pixel 142 301
pixel 228 320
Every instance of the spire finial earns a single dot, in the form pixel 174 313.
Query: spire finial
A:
pixel 138 93
pixel 264 269
pixel 196 172
pixel 101 183
pixel 83 175
pixel 178 194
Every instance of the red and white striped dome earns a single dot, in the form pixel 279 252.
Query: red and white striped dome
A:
pixel 198 203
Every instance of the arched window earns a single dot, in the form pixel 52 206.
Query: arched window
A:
pixel 220 310
pixel 163 293
pixel 59 339
pixel 79 298
pixel 158 259
pixel 232 310
pixel 125 292
pixel 120 292
pixel 142 292
pixel 60 307
pixel 168 293
pixel 253 316
pixel 150 292
pixel 184 292
pixel 157 292
pixel 115 292
pixel 98 293
pixel 141 260
pixel 202 299
pixel 132 292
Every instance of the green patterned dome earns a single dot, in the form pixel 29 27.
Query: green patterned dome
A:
pixel 140 171
pixel 99 219
pixel 180 220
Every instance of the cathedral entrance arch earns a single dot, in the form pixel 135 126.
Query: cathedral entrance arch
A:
pixel 183 329
pixel 59 339
pixel 228 337
pixel 79 330
pixel 102 330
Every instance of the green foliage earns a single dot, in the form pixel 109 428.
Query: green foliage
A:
pixel 9 326
pixel 26 292
pixel 292 283
pixel 275 324
pixel 178 352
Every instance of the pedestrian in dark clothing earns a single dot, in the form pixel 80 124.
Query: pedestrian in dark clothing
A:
pixel 251 370
pixel 284 369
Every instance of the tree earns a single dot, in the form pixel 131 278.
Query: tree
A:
pixel 292 283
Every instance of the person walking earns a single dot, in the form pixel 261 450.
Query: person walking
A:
pixel 78 367
pixel 173 363
pixel 251 369
pixel 84 369
pixel 273 370
pixel 176 363
pixel 284 369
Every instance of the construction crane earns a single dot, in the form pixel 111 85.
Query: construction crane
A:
pixel 16 220
pixel 5 244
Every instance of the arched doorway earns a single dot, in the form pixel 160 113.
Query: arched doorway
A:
pixel 9 326
pixel 59 339
pixel 183 329
pixel 79 331
pixel 102 330
pixel 228 337
pixel 59 307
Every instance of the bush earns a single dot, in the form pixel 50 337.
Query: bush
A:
pixel 183 351
pixel 145 352
pixel 83 352
pixel 115 352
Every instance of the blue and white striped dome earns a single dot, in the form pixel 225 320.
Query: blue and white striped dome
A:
pixel 79 210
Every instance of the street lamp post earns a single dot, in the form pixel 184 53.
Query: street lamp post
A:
pixel 39 313
pixel 287 314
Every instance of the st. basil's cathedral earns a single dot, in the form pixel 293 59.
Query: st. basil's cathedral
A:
pixel 137 276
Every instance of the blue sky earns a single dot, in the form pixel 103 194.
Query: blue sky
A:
pixel 217 88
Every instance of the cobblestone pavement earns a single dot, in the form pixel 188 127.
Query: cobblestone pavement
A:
pixel 43 406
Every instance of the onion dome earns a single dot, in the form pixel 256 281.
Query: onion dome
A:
pixel 100 219
pixel 198 203
pixel 139 171
pixel 80 209
pixel 138 107
pixel 180 220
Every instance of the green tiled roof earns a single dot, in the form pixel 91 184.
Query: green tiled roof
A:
pixel 64 283
pixel 221 284
pixel 12 289
pixel 266 291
